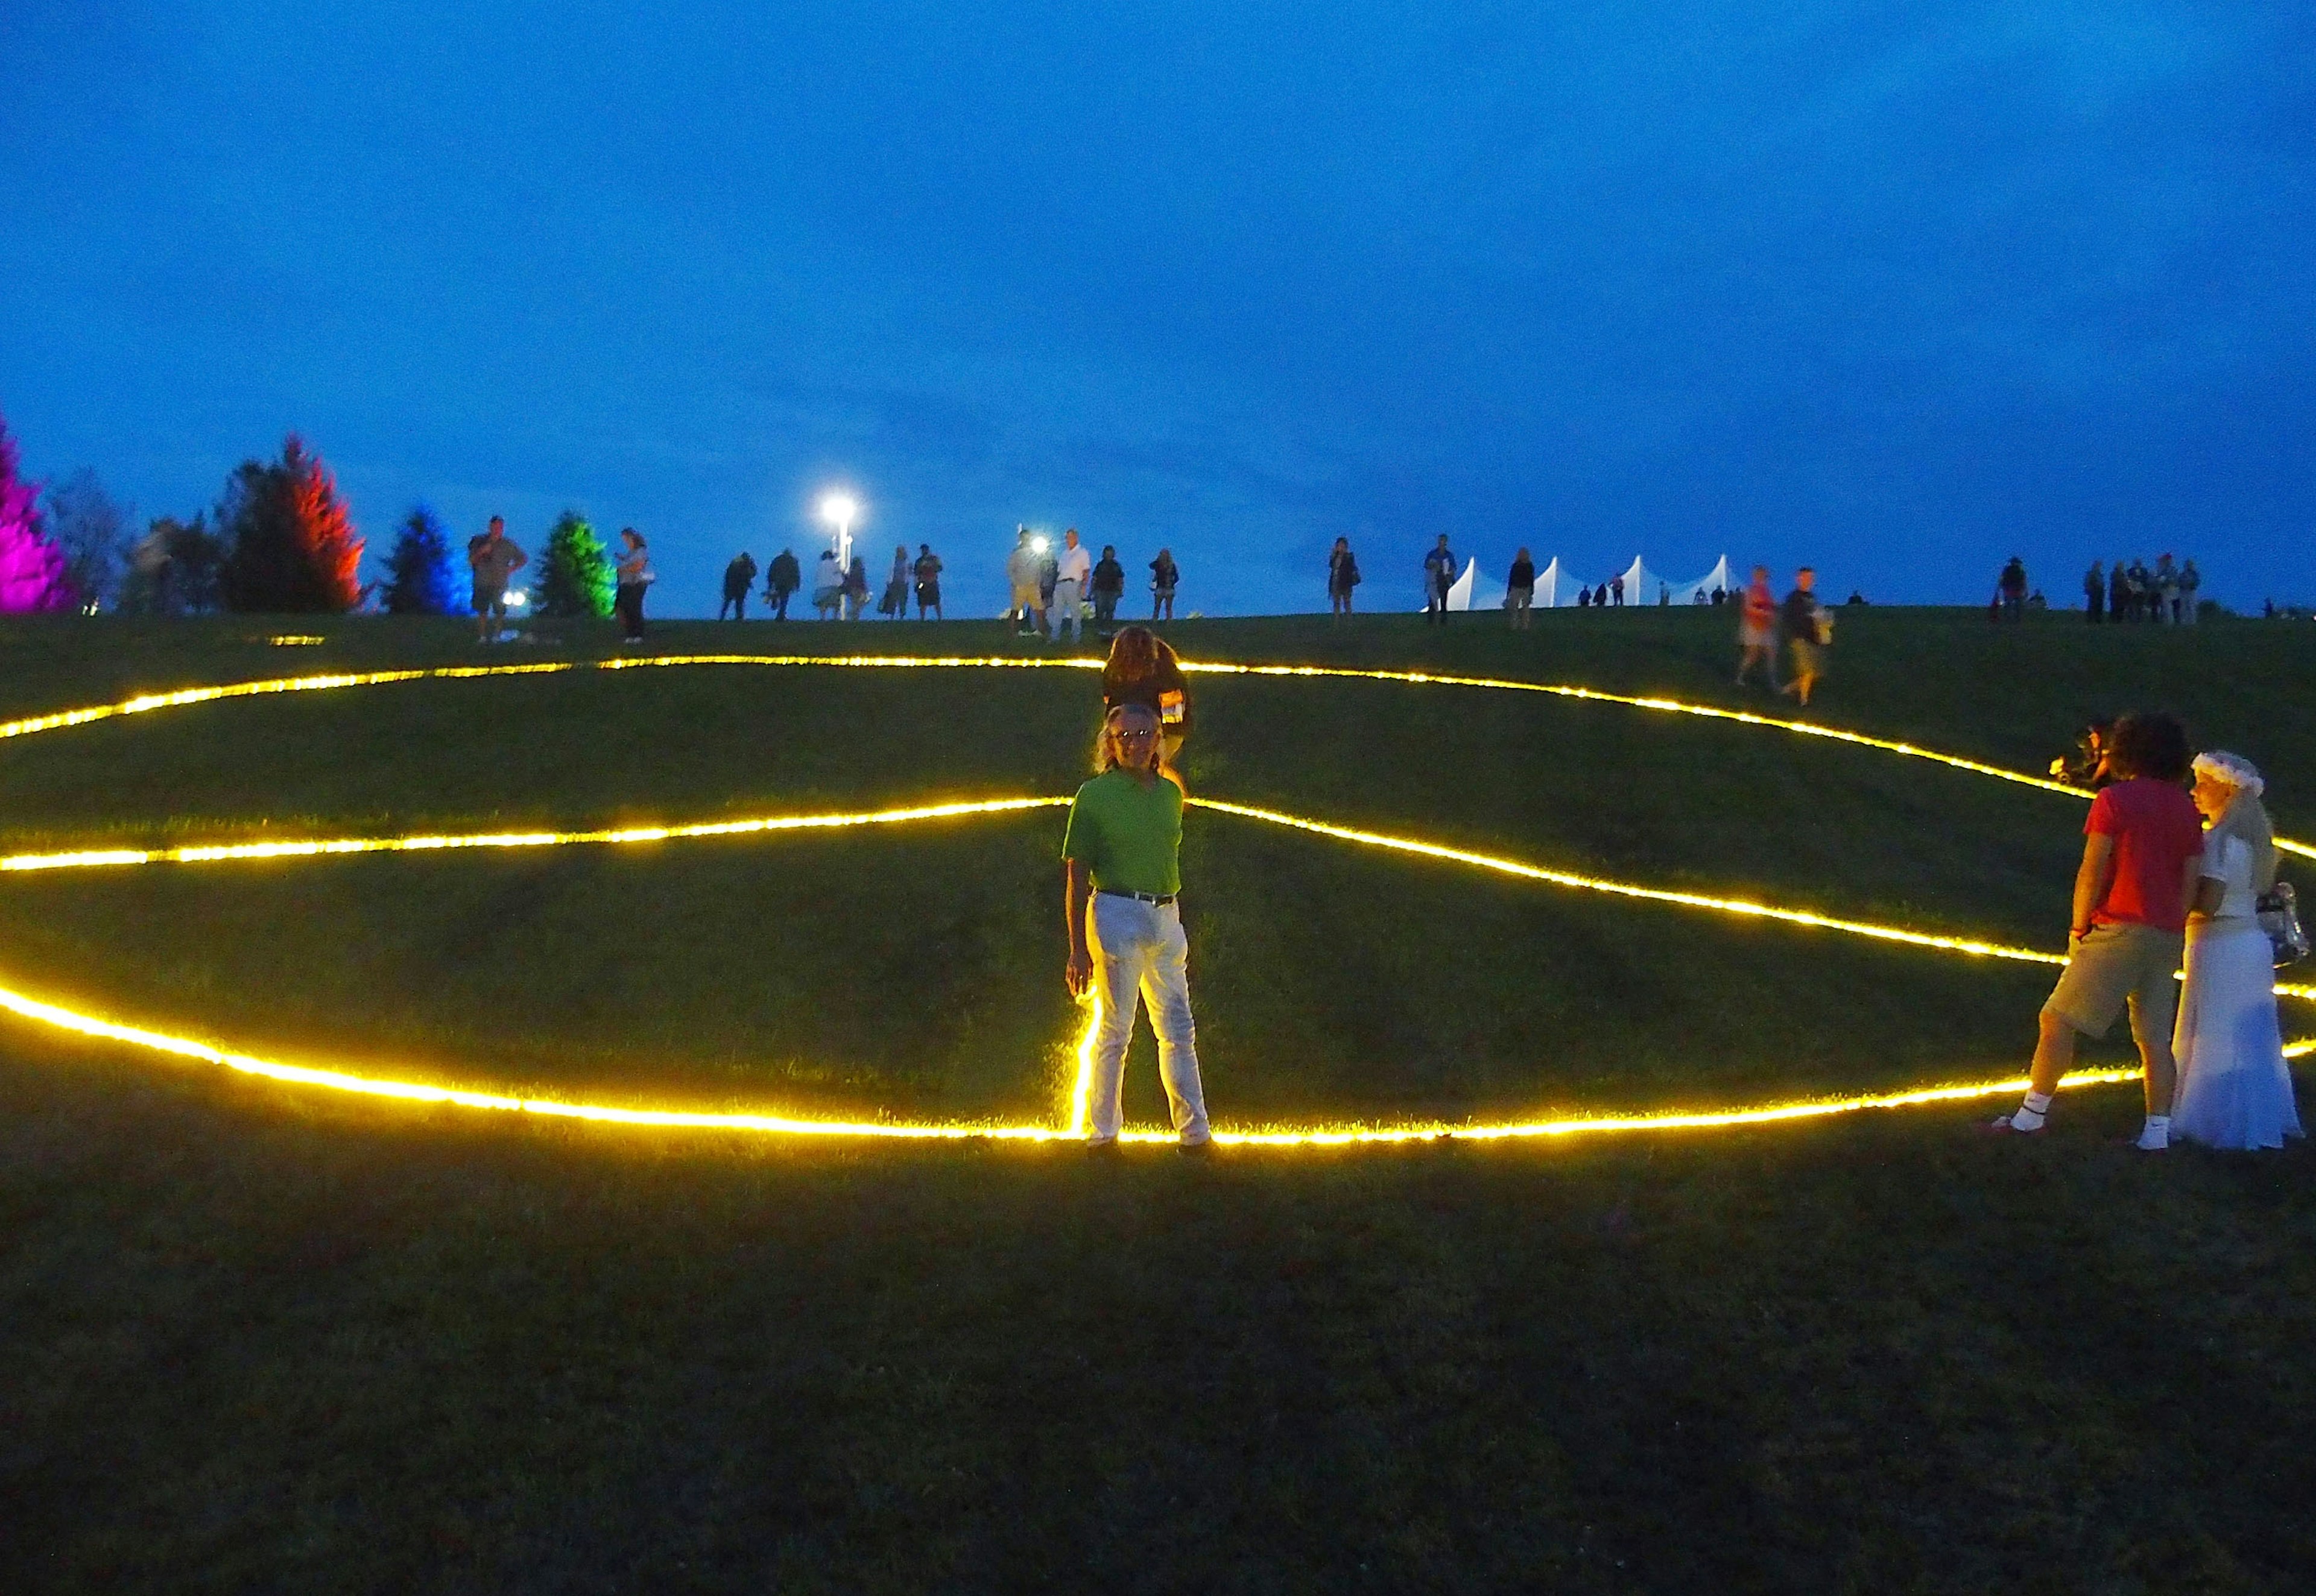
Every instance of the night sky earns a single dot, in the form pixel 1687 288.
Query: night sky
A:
pixel 1896 289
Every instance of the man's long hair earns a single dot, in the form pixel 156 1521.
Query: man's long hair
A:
pixel 1135 654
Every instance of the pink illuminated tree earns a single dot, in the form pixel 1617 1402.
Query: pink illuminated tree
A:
pixel 31 568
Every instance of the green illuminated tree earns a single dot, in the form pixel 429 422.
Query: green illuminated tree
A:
pixel 575 576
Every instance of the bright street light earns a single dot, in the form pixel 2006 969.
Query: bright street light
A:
pixel 842 510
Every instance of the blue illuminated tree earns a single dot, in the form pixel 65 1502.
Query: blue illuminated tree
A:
pixel 420 577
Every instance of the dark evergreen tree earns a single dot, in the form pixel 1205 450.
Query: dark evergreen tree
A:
pixel 575 575
pixel 420 579
pixel 293 544
pixel 93 533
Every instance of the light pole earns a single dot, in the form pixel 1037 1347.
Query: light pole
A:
pixel 842 510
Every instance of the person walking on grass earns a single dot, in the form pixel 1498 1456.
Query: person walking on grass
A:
pixel 2095 593
pixel 1122 884
pixel 782 577
pixel 1438 576
pixel 2235 1088
pixel 739 576
pixel 1109 587
pixel 2142 852
pixel 1756 634
pixel 1806 629
pixel 1342 576
pixel 927 571
pixel 1142 669
pixel 1073 572
pixel 1519 589
pixel 634 574
pixel 494 558
pixel 1166 576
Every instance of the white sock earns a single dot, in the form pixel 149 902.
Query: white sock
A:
pixel 2156 1134
pixel 2030 1115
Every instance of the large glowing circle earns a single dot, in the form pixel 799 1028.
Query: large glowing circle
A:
pixel 37 1010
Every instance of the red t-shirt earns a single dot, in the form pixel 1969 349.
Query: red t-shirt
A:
pixel 2156 831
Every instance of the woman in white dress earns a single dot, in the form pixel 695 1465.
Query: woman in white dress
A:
pixel 2235 1089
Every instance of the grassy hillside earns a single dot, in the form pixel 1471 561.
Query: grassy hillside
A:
pixel 916 973
pixel 255 1339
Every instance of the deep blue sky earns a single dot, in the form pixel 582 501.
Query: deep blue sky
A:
pixel 1896 289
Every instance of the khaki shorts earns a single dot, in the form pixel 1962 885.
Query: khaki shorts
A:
pixel 2114 964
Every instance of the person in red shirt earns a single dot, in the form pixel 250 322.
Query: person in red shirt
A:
pixel 2141 848
pixel 1757 628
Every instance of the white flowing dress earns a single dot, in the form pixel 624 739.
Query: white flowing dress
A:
pixel 2235 1089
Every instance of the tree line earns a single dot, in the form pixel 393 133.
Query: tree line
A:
pixel 279 540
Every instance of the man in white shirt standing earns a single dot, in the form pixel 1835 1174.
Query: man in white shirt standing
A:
pixel 1072 573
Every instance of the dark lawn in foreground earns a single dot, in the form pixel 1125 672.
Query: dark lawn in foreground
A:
pixel 257 1342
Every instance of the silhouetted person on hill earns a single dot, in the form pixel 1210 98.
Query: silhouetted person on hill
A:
pixel 1166 576
pixel 781 578
pixel 635 575
pixel 1109 587
pixel 2011 587
pixel 494 558
pixel 1342 576
pixel 1438 576
pixel 927 571
pixel 1519 589
pixel 2095 594
pixel 739 576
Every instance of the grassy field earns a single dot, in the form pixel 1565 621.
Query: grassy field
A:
pixel 259 1339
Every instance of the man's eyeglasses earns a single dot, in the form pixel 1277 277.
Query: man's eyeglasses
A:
pixel 1125 736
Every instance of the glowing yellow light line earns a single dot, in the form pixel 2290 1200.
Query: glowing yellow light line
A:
pixel 418 1092
pixel 321 847
pixel 1591 883
pixel 307 684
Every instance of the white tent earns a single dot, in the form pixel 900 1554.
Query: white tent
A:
pixel 1460 596
pixel 1554 586
pixel 1719 576
pixel 1641 583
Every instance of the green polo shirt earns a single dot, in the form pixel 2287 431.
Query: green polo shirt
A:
pixel 1127 835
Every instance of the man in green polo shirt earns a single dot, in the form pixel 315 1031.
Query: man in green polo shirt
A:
pixel 1122 863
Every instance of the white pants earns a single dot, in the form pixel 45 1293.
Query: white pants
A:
pixel 1065 608
pixel 1139 951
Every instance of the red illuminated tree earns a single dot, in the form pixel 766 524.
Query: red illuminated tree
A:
pixel 31 567
pixel 294 546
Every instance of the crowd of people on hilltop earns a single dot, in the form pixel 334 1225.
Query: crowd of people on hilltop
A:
pixel 1054 592
pixel 2164 594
